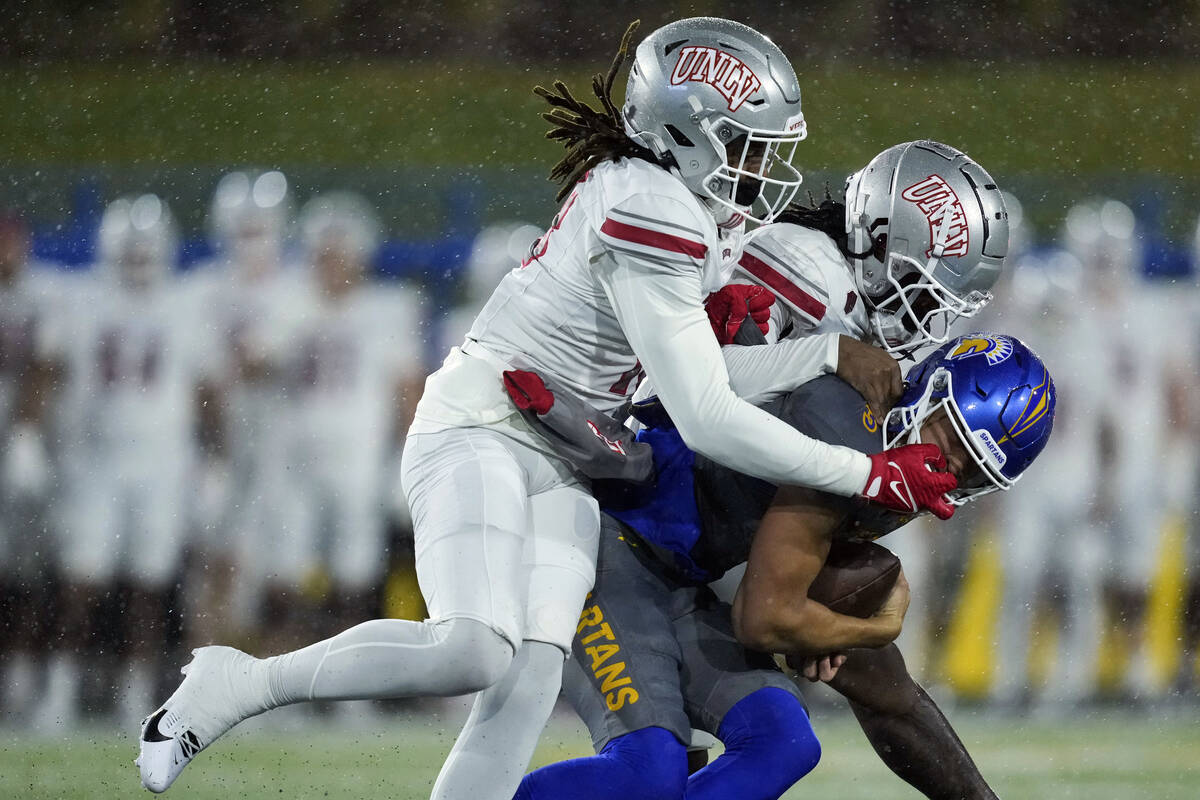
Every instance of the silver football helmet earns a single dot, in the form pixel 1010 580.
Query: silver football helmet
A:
pixel 928 231
pixel 137 241
pixel 342 222
pixel 722 102
pixel 249 217
pixel 1103 234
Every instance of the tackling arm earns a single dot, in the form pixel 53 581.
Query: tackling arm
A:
pixel 906 727
pixel 662 316
pixel 758 373
pixel 772 611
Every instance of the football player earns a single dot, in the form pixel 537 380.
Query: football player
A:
pixel 28 376
pixel 353 376
pixel 656 654
pixel 131 359
pixel 1185 420
pixel 823 268
pixel 655 197
pixel 250 306
pixel 1052 533
pixel 1134 362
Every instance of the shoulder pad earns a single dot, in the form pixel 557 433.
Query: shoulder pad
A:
pixel 795 263
pixel 648 213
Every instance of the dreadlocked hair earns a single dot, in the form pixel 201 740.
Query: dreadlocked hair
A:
pixel 828 217
pixel 590 135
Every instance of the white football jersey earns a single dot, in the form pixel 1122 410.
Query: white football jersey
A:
pixel 551 314
pixel 811 279
pixel 243 320
pixel 624 271
pixel 132 361
pixel 346 361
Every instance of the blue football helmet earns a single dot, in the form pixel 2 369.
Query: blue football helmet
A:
pixel 999 397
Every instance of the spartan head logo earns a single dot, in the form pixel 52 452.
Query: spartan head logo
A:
pixel 944 213
pixel 994 348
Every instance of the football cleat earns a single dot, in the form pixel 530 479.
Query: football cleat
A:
pixel 215 695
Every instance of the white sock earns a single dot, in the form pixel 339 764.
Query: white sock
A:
pixel 493 751
pixel 387 658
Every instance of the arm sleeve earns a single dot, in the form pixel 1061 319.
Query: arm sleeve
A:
pixel 662 316
pixel 762 372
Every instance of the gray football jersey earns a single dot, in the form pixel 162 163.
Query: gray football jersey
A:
pixel 732 504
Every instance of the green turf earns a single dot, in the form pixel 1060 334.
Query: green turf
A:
pixel 1099 758
pixel 1053 118
pixel 1051 132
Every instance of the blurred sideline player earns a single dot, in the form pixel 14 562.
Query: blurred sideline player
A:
pixel 1052 534
pixel 250 306
pixel 1186 449
pixel 354 378
pixel 506 533
pixel 28 374
pixel 1129 319
pixel 656 654
pixel 131 360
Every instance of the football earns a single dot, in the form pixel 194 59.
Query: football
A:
pixel 856 578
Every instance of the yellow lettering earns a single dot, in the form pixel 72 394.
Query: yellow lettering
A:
pixel 590 616
pixel 604 632
pixel 608 677
pixel 617 701
pixel 601 653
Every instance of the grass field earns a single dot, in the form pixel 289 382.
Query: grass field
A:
pixel 1102 757
pixel 1063 118
pixel 1052 132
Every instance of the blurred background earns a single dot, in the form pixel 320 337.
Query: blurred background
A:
pixel 235 237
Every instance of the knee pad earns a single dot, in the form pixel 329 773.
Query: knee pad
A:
pixel 472 649
pixel 770 729
pixel 652 762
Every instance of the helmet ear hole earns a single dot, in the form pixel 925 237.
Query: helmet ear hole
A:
pixel 678 136
pixel 879 247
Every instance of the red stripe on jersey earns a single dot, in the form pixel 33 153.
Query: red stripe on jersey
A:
pixel 779 284
pixel 649 238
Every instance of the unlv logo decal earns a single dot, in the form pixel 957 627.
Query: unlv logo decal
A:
pixel 936 200
pixel 720 70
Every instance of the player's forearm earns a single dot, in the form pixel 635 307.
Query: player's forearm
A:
pixel 671 335
pixel 760 372
pixel 922 748
pixel 783 625
pixel 906 728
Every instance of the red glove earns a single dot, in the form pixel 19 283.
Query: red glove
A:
pixel 528 391
pixel 731 304
pixel 901 480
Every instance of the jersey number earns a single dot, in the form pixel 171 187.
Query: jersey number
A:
pixel 542 244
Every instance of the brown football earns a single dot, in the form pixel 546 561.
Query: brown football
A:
pixel 856 578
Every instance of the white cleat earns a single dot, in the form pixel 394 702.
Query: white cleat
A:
pixel 211 700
